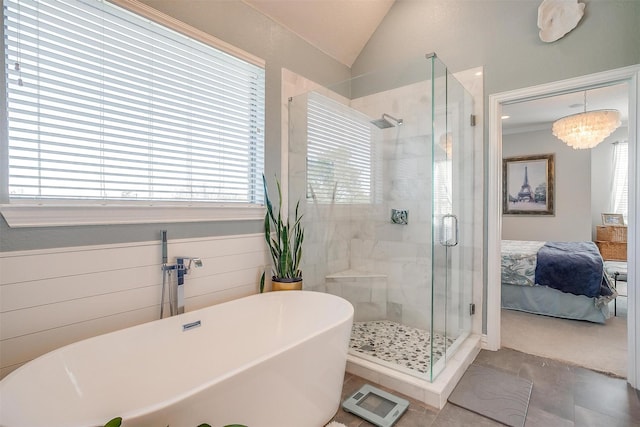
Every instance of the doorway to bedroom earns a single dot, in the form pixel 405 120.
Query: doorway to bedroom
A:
pixel 582 195
pixel 551 323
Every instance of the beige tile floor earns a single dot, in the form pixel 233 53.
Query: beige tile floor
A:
pixel 563 395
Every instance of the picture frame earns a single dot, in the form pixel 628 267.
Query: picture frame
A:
pixel 528 185
pixel 612 219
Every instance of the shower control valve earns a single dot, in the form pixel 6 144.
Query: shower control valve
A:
pixel 400 216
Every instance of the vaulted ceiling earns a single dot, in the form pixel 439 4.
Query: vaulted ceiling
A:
pixel 342 28
pixel 339 28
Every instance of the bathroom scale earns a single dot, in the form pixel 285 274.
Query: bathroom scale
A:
pixel 376 406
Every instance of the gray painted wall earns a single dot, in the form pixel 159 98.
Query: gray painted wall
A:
pixel 572 219
pixel 242 26
pixel 583 187
pixel 503 37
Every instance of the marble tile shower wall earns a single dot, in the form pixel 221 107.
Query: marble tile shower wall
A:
pixel 401 252
pixel 361 238
pixel 343 238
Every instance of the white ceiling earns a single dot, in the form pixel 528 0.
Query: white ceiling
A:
pixel 541 113
pixel 339 28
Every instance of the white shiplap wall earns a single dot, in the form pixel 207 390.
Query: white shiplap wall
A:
pixel 50 298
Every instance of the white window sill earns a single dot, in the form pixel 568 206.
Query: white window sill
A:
pixel 58 215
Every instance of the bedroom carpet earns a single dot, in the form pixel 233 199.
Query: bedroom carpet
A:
pixel 598 347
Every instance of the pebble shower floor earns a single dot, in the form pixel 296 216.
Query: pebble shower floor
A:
pixel 396 343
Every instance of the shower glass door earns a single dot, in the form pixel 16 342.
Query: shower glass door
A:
pixel 377 163
pixel 452 214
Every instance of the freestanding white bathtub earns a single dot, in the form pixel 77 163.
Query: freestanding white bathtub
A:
pixel 268 360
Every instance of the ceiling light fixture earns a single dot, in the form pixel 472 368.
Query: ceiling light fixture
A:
pixel 587 129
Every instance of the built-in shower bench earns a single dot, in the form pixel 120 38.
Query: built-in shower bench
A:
pixel 366 291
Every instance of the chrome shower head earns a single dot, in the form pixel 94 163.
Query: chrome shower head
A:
pixel 384 122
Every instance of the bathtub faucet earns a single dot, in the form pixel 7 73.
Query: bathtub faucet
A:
pixel 183 266
pixel 176 292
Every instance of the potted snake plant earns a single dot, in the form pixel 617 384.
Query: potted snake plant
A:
pixel 284 238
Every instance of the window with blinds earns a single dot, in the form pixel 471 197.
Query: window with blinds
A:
pixel 340 156
pixel 106 105
pixel 620 184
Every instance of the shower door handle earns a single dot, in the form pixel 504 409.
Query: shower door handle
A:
pixel 449 222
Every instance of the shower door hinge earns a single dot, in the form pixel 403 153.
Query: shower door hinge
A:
pixel 472 309
pixel 472 120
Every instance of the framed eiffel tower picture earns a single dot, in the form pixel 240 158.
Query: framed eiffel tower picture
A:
pixel 527 185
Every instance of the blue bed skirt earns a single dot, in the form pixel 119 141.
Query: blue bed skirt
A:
pixel 552 302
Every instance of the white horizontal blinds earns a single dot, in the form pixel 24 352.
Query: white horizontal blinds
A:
pixel 116 107
pixel 339 152
pixel 620 190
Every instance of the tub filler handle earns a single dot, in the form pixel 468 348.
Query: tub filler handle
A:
pixel 188 326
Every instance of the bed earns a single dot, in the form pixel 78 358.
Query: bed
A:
pixel 559 279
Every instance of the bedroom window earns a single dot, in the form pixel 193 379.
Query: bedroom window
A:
pixel 107 106
pixel 620 185
pixel 340 155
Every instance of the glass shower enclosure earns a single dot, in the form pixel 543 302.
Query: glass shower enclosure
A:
pixel 383 167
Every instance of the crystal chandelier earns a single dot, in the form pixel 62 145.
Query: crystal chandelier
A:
pixel 586 129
